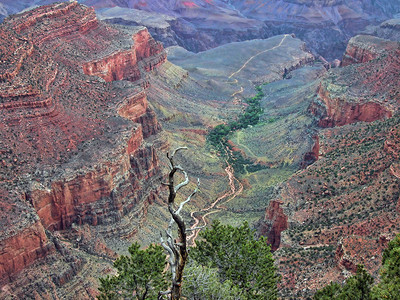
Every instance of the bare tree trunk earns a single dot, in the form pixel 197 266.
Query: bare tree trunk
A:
pixel 177 249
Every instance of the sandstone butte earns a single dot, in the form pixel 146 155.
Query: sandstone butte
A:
pixel 75 146
pixel 344 208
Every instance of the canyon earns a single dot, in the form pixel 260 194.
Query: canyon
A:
pixel 343 209
pixel 88 110
pixel 82 148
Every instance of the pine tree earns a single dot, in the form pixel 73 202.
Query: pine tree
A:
pixel 140 276
pixel 240 258
pixel 389 287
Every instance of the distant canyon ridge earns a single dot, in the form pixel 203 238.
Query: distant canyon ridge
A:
pixel 198 25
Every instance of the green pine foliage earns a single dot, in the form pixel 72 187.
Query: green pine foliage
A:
pixel 240 258
pixel 205 283
pixel 140 275
pixel 389 287
pixel 331 291
pixel 357 287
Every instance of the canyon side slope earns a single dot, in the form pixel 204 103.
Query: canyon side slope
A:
pixel 344 208
pixel 326 26
pixel 78 147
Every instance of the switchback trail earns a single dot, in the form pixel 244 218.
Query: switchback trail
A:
pixel 235 81
pixel 257 54
pixel 216 206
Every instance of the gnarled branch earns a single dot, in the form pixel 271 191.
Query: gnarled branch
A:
pixel 177 249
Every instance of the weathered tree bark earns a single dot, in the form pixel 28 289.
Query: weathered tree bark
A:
pixel 177 249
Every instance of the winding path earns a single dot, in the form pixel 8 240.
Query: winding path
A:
pixel 257 54
pixel 235 81
pixel 216 206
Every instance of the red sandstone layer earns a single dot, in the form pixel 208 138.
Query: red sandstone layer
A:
pixel 365 89
pixel 23 249
pixel 71 143
pixel 340 112
pixel 364 48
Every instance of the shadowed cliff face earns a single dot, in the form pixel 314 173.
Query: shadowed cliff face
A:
pixel 344 207
pixel 71 138
pixel 389 30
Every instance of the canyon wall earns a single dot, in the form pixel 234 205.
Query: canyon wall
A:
pixel 365 88
pixel 363 48
pixel 74 120
pixel 343 209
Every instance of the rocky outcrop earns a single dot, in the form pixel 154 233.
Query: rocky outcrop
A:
pixel 363 48
pixel 312 156
pixel 339 112
pixel 389 30
pixel 365 88
pixel 73 139
pixel 125 64
pixel 22 249
pixel 90 198
pixel 343 260
pixel 274 223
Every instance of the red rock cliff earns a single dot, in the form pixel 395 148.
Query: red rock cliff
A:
pixel 274 223
pixel 125 64
pixel 364 48
pixel 340 112
pixel 71 143
pixel 366 87
pixel 22 239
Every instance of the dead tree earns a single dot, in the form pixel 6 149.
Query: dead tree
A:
pixel 176 248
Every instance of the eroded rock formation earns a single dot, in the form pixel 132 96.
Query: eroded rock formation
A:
pixel 74 120
pixel 365 88
pixel 275 222
pixel 198 25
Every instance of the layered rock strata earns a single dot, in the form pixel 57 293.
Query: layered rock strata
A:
pixel 365 88
pixel 74 120
pixel 389 30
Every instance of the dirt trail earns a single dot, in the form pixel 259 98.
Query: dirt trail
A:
pixel 216 206
pixel 257 54
pixel 235 81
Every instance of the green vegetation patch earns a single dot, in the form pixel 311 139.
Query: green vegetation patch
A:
pixel 219 135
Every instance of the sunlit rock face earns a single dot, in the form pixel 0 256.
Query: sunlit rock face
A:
pixel 74 124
